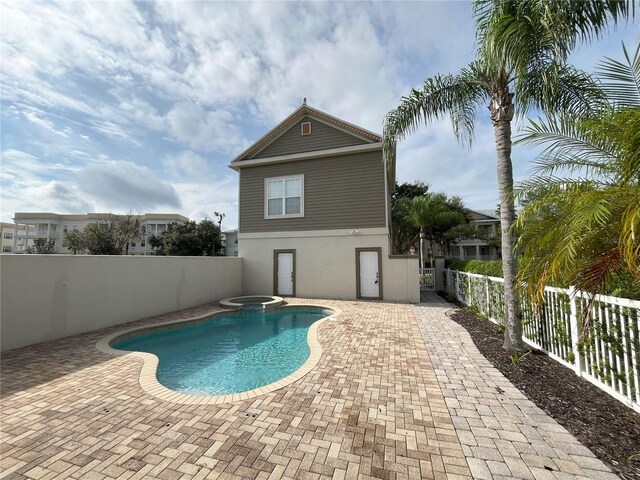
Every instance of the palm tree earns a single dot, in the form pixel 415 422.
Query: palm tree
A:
pixel 429 213
pixel 530 66
pixel 598 202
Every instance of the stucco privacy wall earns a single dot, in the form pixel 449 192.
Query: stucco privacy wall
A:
pixel 44 297
pixel 326 264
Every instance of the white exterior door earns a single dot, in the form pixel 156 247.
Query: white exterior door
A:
pixel 285 273
pixel 369 274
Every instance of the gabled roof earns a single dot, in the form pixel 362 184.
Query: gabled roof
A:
pixel 303 111
pixel 487 214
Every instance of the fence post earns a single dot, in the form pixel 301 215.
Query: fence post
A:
pixel 447 285
pixel 575 330
pixel 438 277
pixel 488 304
pixel 456 286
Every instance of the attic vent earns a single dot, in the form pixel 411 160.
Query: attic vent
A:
pixel 306 128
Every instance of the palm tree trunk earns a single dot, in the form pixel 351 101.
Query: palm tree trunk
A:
pixel 501 110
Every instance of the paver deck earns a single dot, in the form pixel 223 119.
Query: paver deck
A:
pixel 503 434
pixel 374 407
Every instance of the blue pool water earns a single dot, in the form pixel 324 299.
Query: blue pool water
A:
pixel 228 354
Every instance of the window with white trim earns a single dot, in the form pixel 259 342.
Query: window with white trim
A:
pixel 284 197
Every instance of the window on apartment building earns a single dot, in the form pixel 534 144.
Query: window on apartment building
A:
pixel 284 197
pixel 8 235
pixel 143 243
pixel 6 248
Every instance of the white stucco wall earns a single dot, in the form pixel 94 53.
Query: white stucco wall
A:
pixel 326 265
pixel 44 297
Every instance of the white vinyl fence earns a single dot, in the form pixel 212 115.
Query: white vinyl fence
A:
pixel 595 335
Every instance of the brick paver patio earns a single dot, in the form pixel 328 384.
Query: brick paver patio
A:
pixel 503 434
pixel 372 408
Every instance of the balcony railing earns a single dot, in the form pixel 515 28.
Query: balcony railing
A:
pixel 474 257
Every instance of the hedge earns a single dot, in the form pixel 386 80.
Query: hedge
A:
pixel 492 268
pixel 620 285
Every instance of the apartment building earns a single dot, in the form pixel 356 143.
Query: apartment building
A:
pixel 488 224
pixel 8 233
pixel 52 227
pixel 230 242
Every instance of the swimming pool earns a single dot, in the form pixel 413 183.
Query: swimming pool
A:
pixel 228 354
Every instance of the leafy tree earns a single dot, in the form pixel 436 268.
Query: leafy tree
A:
pixel 403 232
pixel 188 239
pixel 582 228
pixel 432 215
pixel 74 241
pixel 522 52
pixel 42 246
pixel 111 235
pixel 99 239
pixel 455 234
pixel 127 229
pixel 495 242
pixel 457 228
pixel 410 190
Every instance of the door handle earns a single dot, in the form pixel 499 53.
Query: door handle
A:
pixel 377 277
pixel 291 276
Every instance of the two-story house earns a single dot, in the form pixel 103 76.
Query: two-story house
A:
pixel 314 213
pixel 488 224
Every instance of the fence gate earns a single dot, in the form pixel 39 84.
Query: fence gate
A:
pixel 427 279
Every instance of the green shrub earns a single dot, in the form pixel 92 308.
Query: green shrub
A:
pixel 491 268
pixel 455 264
pixel 623 285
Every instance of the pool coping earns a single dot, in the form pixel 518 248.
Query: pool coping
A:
pixel 150 384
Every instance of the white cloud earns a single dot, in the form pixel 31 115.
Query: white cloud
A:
pixel 199 201
pixel 216 63
pixel 125 185
pixel 188 165
pixel 205 78
pixel 202 129
pixel 24 187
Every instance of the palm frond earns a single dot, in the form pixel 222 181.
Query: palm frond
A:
pixel 621 80
pixel 555 87
pixel 569 232
pixel 519 31
pixel 568 145
pixel 458 96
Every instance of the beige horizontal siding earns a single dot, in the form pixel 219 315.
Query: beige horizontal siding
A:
pixel 339 192
pixel 322 137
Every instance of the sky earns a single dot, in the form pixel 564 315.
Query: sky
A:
pixel 123 106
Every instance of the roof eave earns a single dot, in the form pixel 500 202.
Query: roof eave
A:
pixel 300 112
